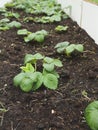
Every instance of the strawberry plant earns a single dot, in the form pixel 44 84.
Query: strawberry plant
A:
pixel 11 14
pixel 91 115
pixel 38 36
pixel 5 24
pixel 68 49
pixel 61 28
pixel 30 79
pixel 46 19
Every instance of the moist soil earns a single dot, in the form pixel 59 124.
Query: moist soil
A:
pixel 44 109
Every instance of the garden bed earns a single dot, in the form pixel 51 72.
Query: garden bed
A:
pixel 44 109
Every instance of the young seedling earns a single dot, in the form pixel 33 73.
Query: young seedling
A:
pixel 14 24
pixel 68 49
pixel 5 24
pixel 30 79
pixel 38 36
pixel 61 47
pixel 11 14
pixel 61 28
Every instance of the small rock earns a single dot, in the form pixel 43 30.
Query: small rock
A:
pixel 41 126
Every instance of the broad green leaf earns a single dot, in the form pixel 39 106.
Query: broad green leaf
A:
pixel 14 24
pixel 48 60
pixel 61 46
pixel 30 37
pixel 28 58
pixel 39 38
pixel 50 81
pixel 16 15
pixel 38 80
pixel 11 14
pixel 38 56
pixel 22 32
pixel 79 47
pixel 5 20
pixel 45 72
pixel 44 32
pixel 48 67
pixel 91 115
pixel 26 85
pixel 56 17
pixel 18 78
pixel 57 62
pixel 32 58
pixel 70 49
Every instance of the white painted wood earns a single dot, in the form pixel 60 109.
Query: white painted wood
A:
pixel 85 14
pixel 72 8
pixel 90 19
pixel 3 2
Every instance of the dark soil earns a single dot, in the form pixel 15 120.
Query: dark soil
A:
pixel 62 109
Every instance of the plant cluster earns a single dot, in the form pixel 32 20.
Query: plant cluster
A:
pixel 5 24
pixel 68 49
pixel 39 7
pixel 50 9
pixel 45 19
pixel 10 14
pixel 38 36
pixel 30 79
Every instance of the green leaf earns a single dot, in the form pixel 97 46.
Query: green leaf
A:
pixel 70 49
pixel 30 37
pixel 50 81
pixel 16 15
pixel 28 58
pixel 38 56
pixel 5 20
pixel 18 78
pixel 38 82
pixel 61 46
pixel 48 67
pixel 91 115
pixel 60 28
pixel 56 17
pixel 39 38
pixel 48 60
pixel 22 32
pixel 36 78
pixel 45 72
pixel 57 62
pixel 79 47
pixel 26 85
pixel 14 24
pixel 44 32
pixel 32 58
pixel 4 28
pixel 28 68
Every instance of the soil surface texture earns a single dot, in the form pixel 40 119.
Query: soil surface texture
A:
pixel 44 109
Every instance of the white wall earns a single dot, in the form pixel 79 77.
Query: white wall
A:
pixel 85 14
pixel 90 19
